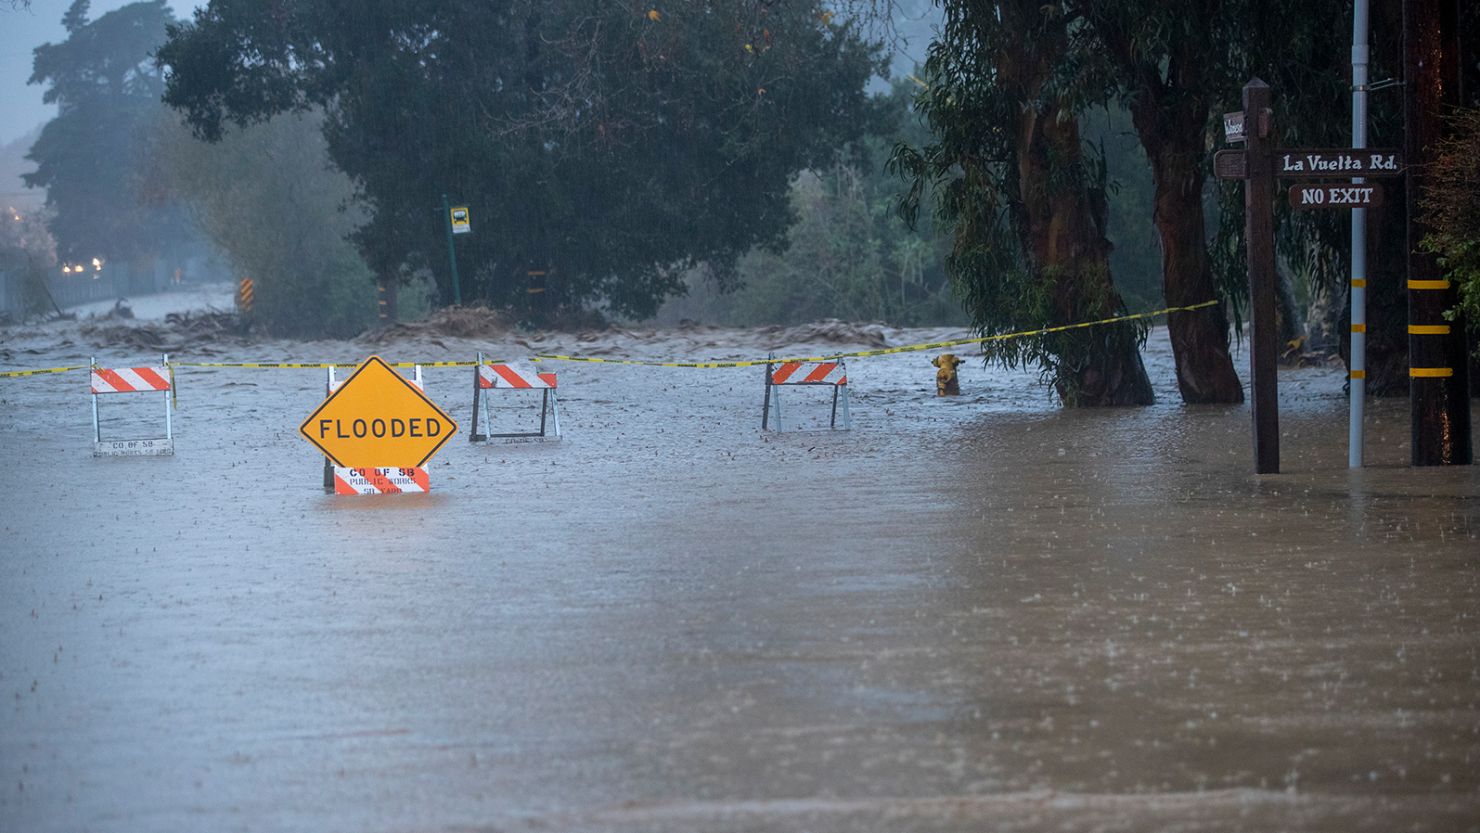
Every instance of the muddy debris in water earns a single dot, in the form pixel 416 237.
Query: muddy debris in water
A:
pixel 452 322
pixel 829 331
pixel 178 332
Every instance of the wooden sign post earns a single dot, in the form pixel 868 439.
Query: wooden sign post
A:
pixel 1258 165
pixel 1255 165
pixel 1259 240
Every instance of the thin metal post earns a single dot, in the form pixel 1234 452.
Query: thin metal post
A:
pixel 847 414
pixel 488 415
pixel 451 251
pixel 328 466
pixel 169 431
pixel 1358 374
pixel 92 362
pixel 544 406
pixel 765 404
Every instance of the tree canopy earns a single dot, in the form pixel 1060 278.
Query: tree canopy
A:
pixel 1025 197
pixel 1451 208
pixel 90 158
pixel 608 145
pixel 268 198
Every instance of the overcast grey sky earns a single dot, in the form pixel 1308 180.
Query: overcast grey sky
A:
pixel 21 31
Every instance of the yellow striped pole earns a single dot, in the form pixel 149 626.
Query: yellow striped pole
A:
pixel 1438 381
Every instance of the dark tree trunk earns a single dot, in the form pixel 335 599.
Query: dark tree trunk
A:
pixel 1387 302
pixel 1169 108
pixel 1064 227
pixel 1205 371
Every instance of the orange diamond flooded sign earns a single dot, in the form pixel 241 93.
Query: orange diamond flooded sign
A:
pixel 378 418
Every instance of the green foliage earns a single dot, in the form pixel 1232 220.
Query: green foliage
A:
pixel 847 255
pixel 91 157
pixel 1303 52
pixel 1136 259
pixel 269 198
pixel 832 266
pixel 24 234
pixel 1001 80
pixel 1450 206
pixel 27 251
pixel 611 145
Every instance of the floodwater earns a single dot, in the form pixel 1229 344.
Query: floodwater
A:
pixel 970 614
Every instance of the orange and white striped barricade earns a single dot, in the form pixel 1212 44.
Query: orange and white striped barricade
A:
pixel 381 481
pixel 491 376
pixel 344 480
pixel 833 373
pixel 106 381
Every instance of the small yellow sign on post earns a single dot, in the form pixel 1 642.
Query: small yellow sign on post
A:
pixel 377 418
pixel 462 222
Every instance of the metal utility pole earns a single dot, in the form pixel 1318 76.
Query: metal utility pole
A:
pixel 1439 389
pixel 1358 375
pixel 451 251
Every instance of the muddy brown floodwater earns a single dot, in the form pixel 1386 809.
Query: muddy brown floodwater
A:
pixel 970 614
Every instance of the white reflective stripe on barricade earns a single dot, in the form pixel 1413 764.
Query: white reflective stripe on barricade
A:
pixel 130 379
pixel 381 481
pixel 335 381
pixel 810 373
pixel 151 379
pixel 823 373
pixel 514 376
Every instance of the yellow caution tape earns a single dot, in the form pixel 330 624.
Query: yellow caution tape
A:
pixel 908 348
pixel 264 365
pixel 4 374
pixel 319 365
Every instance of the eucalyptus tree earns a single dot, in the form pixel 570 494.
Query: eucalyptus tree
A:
pixel 92 158
pixel 1025 200
pixel 607 146
pixel 1171 64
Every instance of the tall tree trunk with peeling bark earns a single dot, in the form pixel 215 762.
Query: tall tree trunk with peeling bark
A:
pixel 1062 222
pixel 1027 204
pixel 1167 83
pixel 1199 338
